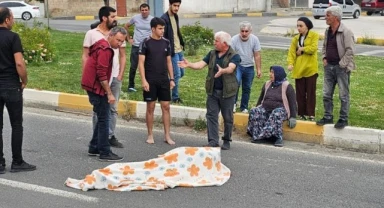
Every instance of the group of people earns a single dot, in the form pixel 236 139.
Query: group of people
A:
pixel 278 100
pixel 157 52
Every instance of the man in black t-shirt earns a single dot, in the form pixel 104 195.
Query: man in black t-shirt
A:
pixel 13 79
pixel 157 79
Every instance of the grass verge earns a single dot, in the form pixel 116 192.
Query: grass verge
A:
pixel 367 91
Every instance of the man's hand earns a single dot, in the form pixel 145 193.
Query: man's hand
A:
pixel 111 98
pixel 220 71
pixel 120 78
pixel 172 84
pixel 130 40
pixel 292 123
pixel 325 62
pixel 23 85
pixel 183 64
pixel 145 85
pixel 258 73
pixel 290 67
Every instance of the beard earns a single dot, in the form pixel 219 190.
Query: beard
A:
pixel 112 25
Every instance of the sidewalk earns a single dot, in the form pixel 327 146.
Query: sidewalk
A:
pixel 350 138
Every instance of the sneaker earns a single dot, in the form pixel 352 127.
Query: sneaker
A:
pixel 92 152
pixel 341 124
pixel 302 117
pixel 245 111
pixel 234 108
pixel 23 166
pixel 226 145
pixel 311 118
pixel 2 169
pixel 111 157
pixel 324 121
pixel 177 100
pixel 115 143
pixel 212 145
pixel 131 89
pixel 279 142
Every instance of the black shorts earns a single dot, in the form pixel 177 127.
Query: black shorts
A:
pixel 158 90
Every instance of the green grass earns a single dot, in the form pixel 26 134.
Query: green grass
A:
pixel 367 89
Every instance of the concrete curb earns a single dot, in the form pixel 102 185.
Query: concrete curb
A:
pixel 82 17
pixel 350 138
pixel 252 14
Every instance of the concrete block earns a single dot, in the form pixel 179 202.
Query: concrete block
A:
pixel 353 138
pixel 305 131
pixel 41 97
pixel 381 140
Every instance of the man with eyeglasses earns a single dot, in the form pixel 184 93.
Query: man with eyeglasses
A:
pixel 248 47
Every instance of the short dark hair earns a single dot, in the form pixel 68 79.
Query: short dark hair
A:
pixel 174 1
pixel 144 6
pixel 4 14
pixel 157 21
pixel 105 11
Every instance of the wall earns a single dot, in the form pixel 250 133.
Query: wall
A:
pixel 217 6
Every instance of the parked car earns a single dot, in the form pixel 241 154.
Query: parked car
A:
pixel 349 8
pixel 21 9
pixel 373 6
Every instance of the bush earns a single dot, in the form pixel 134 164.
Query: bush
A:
pixel 196 36
pixel 36 41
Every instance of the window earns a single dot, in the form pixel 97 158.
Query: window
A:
pixel 339 1
pixel 349 2
pixel 321 2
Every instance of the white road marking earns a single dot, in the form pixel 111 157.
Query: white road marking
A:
pixel 370 53
pixel 46 190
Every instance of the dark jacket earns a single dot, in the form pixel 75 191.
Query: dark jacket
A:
pixel 98 67
pixel 168 33
pixel 230 84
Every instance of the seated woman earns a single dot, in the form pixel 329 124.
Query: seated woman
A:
pixel 277 102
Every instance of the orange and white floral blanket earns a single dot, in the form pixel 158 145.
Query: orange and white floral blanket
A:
pixel 183 166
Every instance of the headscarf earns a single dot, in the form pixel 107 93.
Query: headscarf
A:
pixel 280 75
pixel 307 22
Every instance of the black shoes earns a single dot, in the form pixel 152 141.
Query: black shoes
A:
pixel 324 121
pixel 341 124
pixel 111 157
pixel 279 142
pixel 92 152
pixel 2 169
pixel 212 145
pixel 115 143
pixel 226 145
pixel 22 167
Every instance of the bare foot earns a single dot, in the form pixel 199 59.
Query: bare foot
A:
pixel 169 141
pixel 150 140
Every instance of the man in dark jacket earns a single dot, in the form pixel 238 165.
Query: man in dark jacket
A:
pixel 173 34
pixel 95 80
pixel 221 87
pixel 13 79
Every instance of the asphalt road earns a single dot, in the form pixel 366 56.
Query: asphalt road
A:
pixel 217 24
pixel 297 175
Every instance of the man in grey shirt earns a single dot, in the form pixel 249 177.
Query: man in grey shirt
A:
pixel 142 30
pixel 248 47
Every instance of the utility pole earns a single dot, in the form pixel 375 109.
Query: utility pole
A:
pixel 268 6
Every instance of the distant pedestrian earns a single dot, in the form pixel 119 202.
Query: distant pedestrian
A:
pixel 173 34
pixel 221 87
pixel 107 16
pixel 338 60
pixel 97 72
pixel 13 79
pixel 302 61
pixel 247 45
pixel 157 79
pixel 142 30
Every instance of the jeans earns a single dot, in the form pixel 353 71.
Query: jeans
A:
pixel 12 99
pixel 134 59
pixel 215 104
pixel 100 131
pixel 177 73
pixel 334 74
pixel 245 77
pixel 116 89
